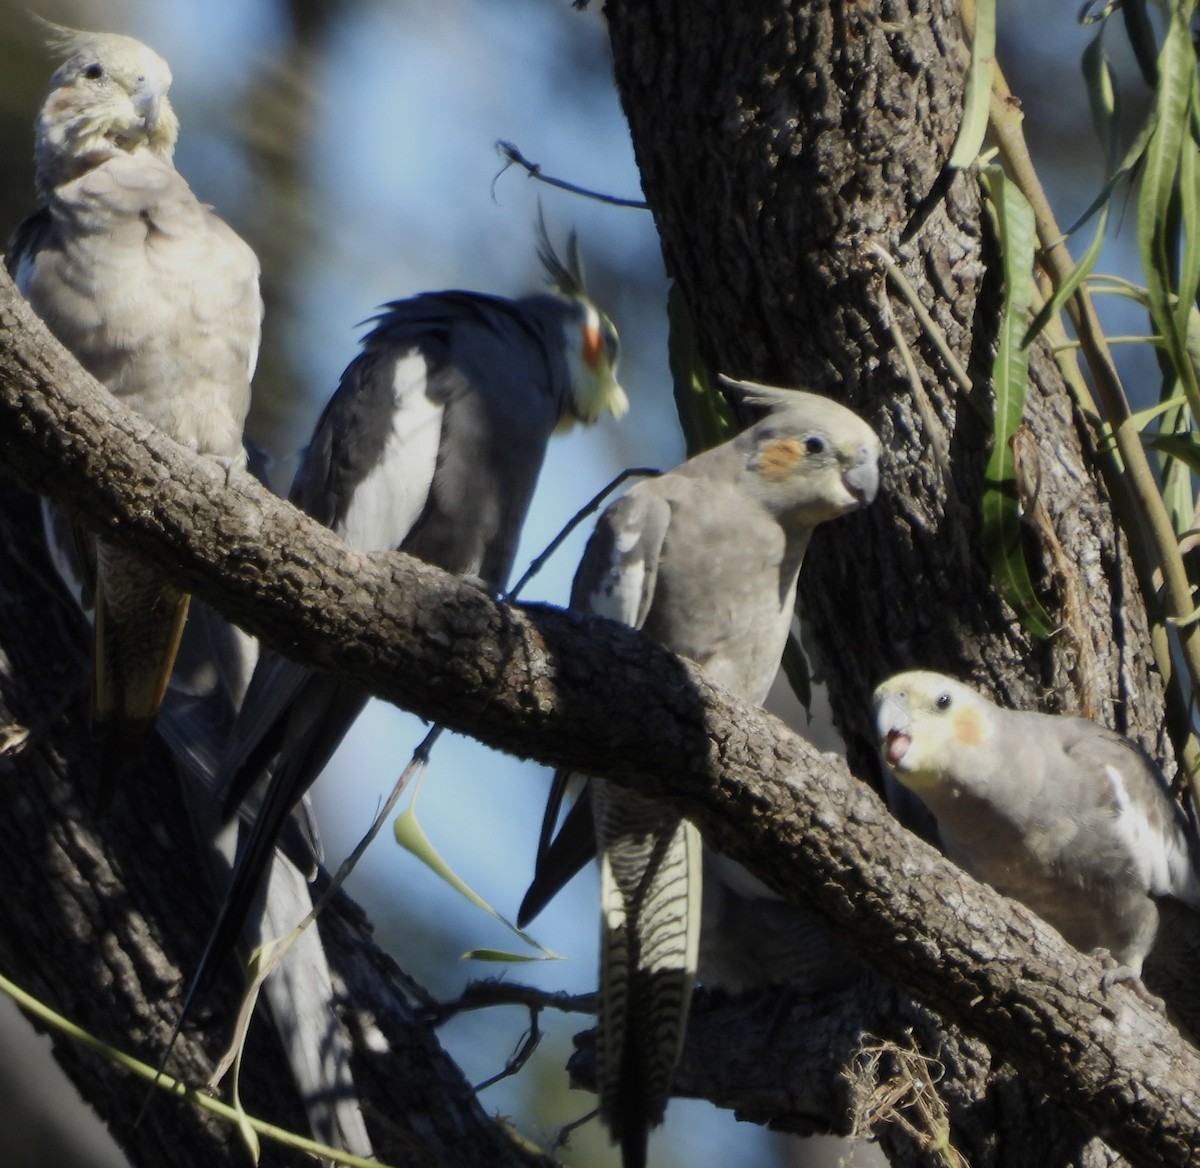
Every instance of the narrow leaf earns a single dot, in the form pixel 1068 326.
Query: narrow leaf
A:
pixel 498 955
pixel 1010 371
pixel 1102 97
pixel 1141 38
pixel 411 836
pixel 1189 214
pixel 1068 287
pixel 977 89
pixel 1184 447
pixel 1133 157
pixel 1176 68
pixel 798 672
pixel 703 414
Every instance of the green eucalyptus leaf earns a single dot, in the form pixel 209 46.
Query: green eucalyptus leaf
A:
pixel 1010 371
pixel 411 836
pixel 703 413
pixel 977 88
pixel 1176 73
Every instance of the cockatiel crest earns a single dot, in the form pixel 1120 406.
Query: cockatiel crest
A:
pixel 108 95
pixel 593 349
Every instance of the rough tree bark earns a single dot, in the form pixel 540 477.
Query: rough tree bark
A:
pixel 796 134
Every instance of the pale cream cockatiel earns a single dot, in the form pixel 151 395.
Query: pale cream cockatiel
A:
pixel 705 560
pixel 156 297
pixel 1069 818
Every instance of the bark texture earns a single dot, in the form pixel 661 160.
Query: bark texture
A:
pixel 529 681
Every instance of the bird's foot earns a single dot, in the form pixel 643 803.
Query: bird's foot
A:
pixel 230 464
pixel 1116 974
pixel 479 582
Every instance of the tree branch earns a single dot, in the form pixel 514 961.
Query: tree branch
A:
pixel 529 681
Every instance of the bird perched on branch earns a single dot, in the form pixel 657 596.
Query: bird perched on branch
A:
pixel 158 299
pixel 1071 819
pixel 705 560
pixel 432 445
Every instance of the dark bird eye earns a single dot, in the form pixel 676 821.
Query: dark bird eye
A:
pixel 612 346
pixel 813 444
pixel 94 72
pixel 943 701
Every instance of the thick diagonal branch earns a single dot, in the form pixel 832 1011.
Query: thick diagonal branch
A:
pixel 597 697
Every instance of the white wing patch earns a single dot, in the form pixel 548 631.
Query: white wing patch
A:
pixel 1161 861
pixel 389 500
pixel 619 596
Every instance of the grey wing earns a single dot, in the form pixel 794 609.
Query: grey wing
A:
pixel 501 409
pixel 1150 830
pixel 615 578
pixel 617 575
pixel 650 862
pixel 368 470
pixel 29 237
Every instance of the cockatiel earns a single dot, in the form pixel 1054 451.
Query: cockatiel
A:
pixel 158 299
pixel 705 560
pixel 1069 818
pixel 432 445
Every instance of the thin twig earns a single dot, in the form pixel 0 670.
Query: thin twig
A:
pixel 509 152
pixel 530 1041
pixel 588 508
pixel 270 954
pixel 491 992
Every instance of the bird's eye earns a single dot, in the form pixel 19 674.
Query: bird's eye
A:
pixel 813 444
pixel 94 72
pixel 612 346
pixel 943 701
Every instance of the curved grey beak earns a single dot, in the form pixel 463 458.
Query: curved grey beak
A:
pixel 862 479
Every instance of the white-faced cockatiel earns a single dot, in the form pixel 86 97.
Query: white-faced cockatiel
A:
pixel 158 299
pixel 432 445
pixel 1071 819
pixel 705 560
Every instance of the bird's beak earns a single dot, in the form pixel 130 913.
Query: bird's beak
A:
pixel 895 747
pixel 148 105
pixel 862 479
pixel 894 727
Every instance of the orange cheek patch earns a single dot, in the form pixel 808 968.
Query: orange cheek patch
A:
pixel 591 346
pixel 778 459
pixel 968 728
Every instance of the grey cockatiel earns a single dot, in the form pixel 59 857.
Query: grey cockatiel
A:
pixel 705 560
pixel 432 444
pixel 158 299
pixel 1069 818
